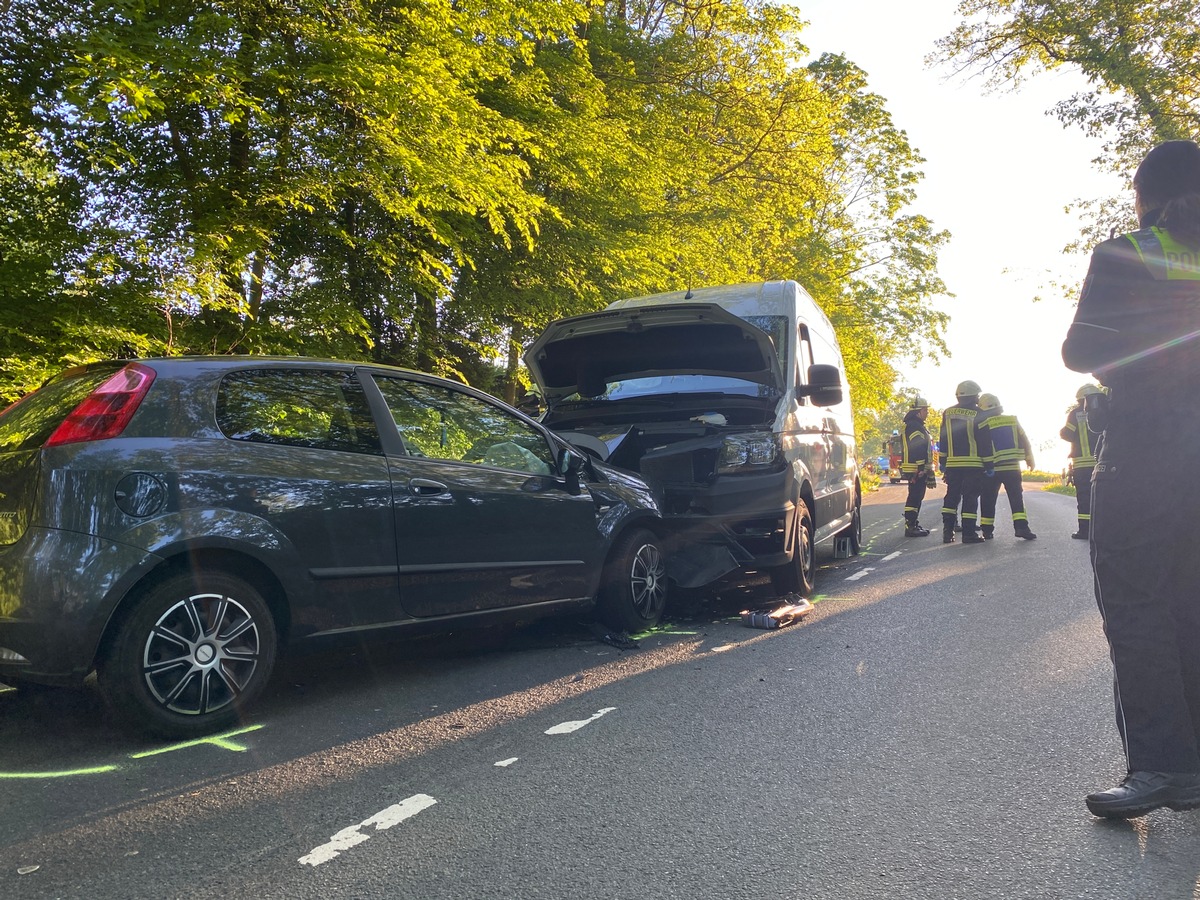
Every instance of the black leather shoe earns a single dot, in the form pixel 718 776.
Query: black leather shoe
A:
pixel 1141 792
pixel 916 531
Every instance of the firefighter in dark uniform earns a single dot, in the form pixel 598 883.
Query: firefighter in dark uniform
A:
pixel 1084 440
pixel 965 461
pixel 915 463
pixel 1010 445
pixel 1136 329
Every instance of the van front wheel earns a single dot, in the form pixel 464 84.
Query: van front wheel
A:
pixel 797 576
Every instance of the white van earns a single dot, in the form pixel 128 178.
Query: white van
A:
pixel 732 402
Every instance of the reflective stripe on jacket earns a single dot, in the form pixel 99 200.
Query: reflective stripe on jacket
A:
pixel 1082 438
pixel 1010 445
pixel 959 440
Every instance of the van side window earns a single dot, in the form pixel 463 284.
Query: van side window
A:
pixel 804 359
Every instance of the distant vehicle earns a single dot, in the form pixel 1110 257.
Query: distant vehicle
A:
pixel 730 400
pixel 893 446
pixel 171 522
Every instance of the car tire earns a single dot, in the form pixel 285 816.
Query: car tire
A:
pixel 798 575
pixel 190 653
pixel 633 588
pixel 853 531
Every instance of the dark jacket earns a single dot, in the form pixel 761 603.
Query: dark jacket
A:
pixel 916 443
pixel 1137 329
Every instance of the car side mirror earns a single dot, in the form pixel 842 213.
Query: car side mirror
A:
pixel 824 385
pixel 570 464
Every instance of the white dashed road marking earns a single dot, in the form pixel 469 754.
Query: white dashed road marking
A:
pixel 506 762
pixel 382 820
pixel 859 574
pixel 568 727
pixel 891 556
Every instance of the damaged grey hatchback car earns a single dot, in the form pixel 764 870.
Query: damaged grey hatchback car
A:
pixel 172 523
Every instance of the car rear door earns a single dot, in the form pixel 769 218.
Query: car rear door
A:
pixel 482 521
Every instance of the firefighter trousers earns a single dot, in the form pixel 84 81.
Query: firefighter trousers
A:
pixel 962 487
pixel 1082 476
pixel 1146 571
pixel 1010 479
pixel 916 496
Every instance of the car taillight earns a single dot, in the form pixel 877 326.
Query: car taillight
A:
pixel 106 411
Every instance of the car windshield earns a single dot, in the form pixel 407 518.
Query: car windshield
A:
pixel 654 386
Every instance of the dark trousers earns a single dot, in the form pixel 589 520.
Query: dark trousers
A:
pixel 916 496
pixel 1010 479
pixel 962 486
pixel 1147 571
pixel 1083 492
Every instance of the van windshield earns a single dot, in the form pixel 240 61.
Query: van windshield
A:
pixel 655 386
pixel 777 328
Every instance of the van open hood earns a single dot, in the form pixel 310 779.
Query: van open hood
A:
pixel 582 353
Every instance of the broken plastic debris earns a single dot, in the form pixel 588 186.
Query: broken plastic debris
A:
pixel 777 616
pixel 709 419
pixel 25 870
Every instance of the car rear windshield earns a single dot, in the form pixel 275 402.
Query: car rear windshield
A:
pixel 29 422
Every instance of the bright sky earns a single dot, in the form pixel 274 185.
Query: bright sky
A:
pixel 998 173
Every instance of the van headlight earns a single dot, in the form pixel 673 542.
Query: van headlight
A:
pixel 740 452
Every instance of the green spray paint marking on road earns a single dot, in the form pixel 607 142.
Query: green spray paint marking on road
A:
pixel 69 773
pixel 217 740
pixel 664 628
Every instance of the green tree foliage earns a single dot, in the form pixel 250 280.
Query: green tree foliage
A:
pixel 427 182
pixel 1141 62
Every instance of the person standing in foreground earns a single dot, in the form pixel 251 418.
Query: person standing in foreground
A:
pixel 915 464
pixel 1137 329
pixel 1084 441
pixel 965 462
pixel 1010 445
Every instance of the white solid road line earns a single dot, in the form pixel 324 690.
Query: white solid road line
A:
pixel 382 820
pixel 568 727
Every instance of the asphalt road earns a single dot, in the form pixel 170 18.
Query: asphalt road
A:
pixel 928 731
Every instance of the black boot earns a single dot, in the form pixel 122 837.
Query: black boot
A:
pixel 1142 792
pixel 988 531
pixel 948 533
pixel 1022 530
pixel 971 536
pixel 1084 532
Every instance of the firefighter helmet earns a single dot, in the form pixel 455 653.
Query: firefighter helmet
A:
pixel 919 403
pixel 967 389
pixel 1087 389
pixel 990 401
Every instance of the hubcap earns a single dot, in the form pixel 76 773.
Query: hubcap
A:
pixel 201 654
pixel 648 581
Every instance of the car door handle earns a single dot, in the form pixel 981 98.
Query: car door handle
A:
pixel 424 487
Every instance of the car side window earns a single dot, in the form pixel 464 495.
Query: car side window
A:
pixel 441 423
pixel 324 410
